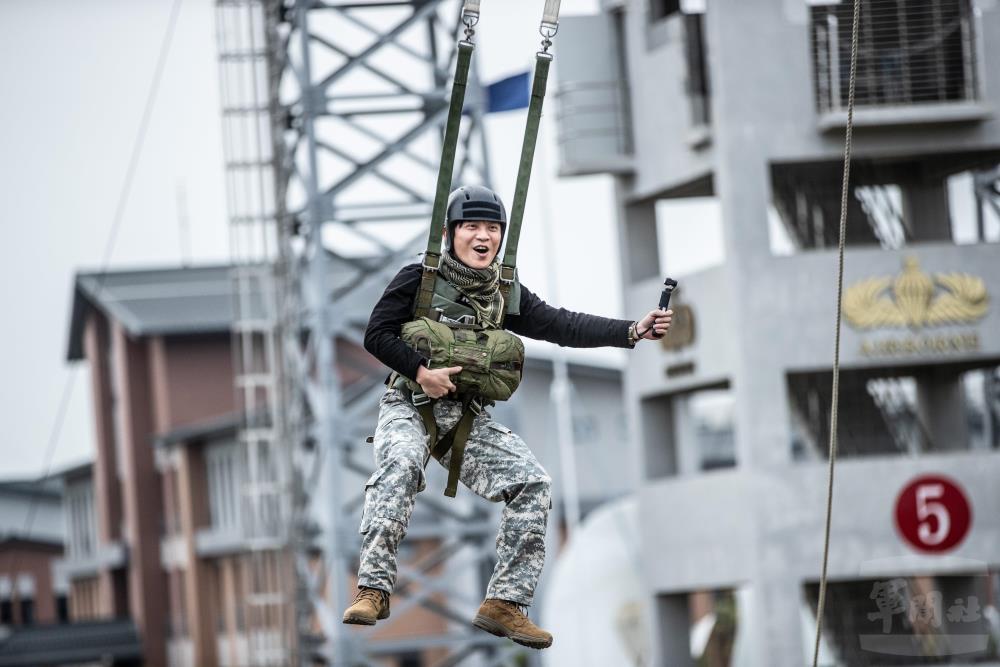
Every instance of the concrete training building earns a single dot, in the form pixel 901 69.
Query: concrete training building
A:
pixel 733 113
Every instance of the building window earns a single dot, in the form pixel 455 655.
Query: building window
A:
pixel 909 411
pixel 6 612
pixel 689 432
pixel 27 611
pixel 891 204
pixel 411 660
pixel 699 624
pixel 869 621
pixel 225 479
pixel 62 608
pixel 661 9
pixel 81 525
pixel 910 52
pixel 697 70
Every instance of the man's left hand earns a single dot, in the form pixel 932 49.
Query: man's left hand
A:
pixel 656 322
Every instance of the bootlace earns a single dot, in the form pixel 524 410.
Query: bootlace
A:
pixel 520 608
pixel 374 594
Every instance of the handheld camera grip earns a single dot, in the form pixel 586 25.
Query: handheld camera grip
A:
pixel 669 285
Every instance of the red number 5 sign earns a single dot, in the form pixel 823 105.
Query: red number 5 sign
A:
pixel 933 514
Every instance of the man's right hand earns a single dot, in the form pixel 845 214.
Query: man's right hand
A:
pixel 437 382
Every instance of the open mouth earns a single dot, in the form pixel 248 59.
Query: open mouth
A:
pixel 481 250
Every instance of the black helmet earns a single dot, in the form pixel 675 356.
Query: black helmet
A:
pixel 474 202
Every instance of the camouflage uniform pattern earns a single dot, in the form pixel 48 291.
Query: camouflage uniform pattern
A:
pixel 497 466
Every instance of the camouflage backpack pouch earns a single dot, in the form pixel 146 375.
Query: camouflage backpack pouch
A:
pixel 491 359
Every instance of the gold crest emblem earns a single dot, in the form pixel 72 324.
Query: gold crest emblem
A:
pixel 915 299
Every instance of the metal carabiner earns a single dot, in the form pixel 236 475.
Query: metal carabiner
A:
pixel 547 30
pixel 471 19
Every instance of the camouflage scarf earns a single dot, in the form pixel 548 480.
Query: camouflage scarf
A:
pixel 480 286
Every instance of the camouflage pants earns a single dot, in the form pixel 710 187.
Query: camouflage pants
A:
pixel 497 466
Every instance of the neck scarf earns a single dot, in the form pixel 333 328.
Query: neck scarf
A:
pixel 480 286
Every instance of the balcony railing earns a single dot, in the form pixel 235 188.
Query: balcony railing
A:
pixel 910 53
pixel 593 127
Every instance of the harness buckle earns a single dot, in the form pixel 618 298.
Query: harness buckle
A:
pixel 431 262
pixel 507 273
pixel 420 398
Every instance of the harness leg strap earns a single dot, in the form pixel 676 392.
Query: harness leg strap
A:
pixel 455 440
pixel 426 411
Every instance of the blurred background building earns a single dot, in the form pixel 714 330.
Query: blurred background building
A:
pixel 740 108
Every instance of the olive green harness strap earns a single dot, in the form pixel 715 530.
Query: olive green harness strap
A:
pixel 432 258
pixel 508 269
pixel 454 439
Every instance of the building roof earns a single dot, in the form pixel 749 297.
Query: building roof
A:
pixel 43 487
pixel 72 643
pixel 185 300
pixel 154 301
pixel 76 471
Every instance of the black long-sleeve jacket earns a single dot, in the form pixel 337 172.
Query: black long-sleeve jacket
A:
pixel 537 320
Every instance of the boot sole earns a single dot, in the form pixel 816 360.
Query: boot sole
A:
pixel 489 625
pixel 363 620
pixel 358 620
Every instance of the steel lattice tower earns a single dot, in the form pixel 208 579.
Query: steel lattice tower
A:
pixel 333 115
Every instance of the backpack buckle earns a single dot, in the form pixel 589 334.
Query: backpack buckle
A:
pixel 507 273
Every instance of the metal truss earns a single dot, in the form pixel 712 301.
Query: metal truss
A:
pixel 334 114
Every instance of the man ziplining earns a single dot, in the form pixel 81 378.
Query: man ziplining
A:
pixel 435 407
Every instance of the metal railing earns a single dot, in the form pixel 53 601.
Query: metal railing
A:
pixel 911 52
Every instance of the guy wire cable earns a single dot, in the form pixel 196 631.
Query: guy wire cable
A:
pixel 835 404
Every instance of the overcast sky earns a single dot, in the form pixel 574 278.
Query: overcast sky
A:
pixel 75 77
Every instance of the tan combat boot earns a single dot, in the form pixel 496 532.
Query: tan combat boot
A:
pixel 505 619
pixel 369 606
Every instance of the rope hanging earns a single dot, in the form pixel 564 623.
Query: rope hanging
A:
pixel 834 405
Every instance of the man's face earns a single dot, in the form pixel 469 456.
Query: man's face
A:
pixel 477 242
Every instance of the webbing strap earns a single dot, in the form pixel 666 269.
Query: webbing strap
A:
pixel 432 258
pixel 426 411
pixel 454 440
pixel 542 62
pixel 551 12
